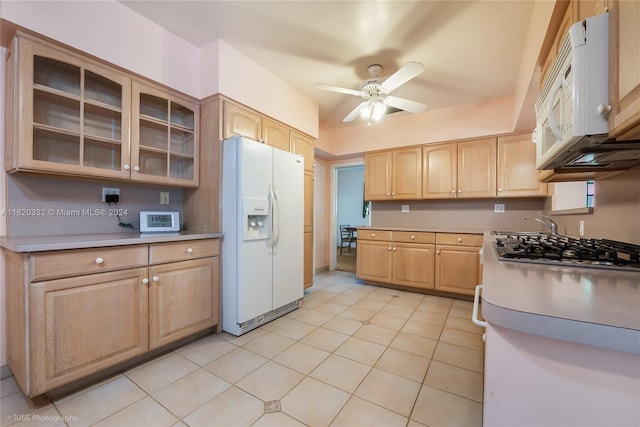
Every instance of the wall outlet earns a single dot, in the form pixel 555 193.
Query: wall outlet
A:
pixel 164 197
pixel 110 191
pixel 405 208
pixel 498 208
pixel 581 228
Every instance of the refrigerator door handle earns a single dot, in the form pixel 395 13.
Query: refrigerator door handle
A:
pixel 272 203
pixel 276 218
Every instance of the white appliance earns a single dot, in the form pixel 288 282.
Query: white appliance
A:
pixel 572 108
pixel 263 225
pixel 159 221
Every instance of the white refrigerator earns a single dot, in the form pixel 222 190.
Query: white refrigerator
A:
pixel 263 226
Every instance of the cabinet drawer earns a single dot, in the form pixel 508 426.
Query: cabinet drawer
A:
pixel 159 253
pixel 375 234
pixel 414 237
pixel 67 263
pixel 459 239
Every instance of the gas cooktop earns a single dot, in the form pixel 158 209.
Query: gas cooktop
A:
pixel 557 249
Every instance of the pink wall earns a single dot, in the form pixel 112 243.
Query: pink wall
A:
pixel 145 48
pixel 114 33
pixel 245 81
pixel 465 121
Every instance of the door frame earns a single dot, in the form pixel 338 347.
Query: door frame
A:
pixel 333 218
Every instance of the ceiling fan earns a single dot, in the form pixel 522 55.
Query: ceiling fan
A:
pixel 375 92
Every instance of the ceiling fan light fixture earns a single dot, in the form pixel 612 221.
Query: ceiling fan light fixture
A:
pixel 378 110
pixel 376 93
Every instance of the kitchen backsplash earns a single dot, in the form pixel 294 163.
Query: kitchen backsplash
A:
pixel 39 205
pixel 616 214
pixel 458 215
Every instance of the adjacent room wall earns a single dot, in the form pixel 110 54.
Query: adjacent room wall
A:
pixel 350 198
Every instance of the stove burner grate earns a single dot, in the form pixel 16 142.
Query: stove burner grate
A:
pixel 553 248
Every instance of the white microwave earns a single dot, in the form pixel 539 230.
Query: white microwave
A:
pixel 572 108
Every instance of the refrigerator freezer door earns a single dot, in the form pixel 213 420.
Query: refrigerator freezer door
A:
pixel 254 256
pixel 288 221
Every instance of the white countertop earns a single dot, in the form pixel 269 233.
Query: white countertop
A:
pixel 79 241
pixel 593 306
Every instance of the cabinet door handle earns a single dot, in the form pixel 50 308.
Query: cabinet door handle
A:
pixel 189 250
pixel 136 168
pixel 500 189
pixel 389 248
pixel 126 167
pixel 145 281
pixel 438 252
pixel 388 194
pixel 393 193
pixel 459 191
pixel 394 249
pixel 459 239
pixel 155 278
pixel 453 191
pixel 99 260
pixel 413 237
pixel 373 235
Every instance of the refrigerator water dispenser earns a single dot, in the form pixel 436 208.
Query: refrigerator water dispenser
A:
pixel 256 218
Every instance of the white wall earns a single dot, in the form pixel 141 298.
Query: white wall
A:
pixel 350 197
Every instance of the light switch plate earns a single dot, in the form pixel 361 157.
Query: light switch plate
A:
pixel 498 208
pixel 164 197
pixel 405 208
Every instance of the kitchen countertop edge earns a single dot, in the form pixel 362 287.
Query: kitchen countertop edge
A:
pixel 603 336
pixel 526 314
pixel 83 241
pixel 423 230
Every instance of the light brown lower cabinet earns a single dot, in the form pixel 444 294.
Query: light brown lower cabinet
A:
pixel 181 300
pixel 402 258
pixel 458 267
pixel 64 324
pixel 80 325
pixel 444 262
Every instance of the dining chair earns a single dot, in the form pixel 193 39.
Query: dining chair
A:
pixel 346 238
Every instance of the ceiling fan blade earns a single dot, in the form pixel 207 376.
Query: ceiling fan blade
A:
pixel 355 113
pixel 337 89
pixel 403 75
pixel 404 104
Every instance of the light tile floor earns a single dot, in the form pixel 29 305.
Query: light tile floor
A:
pixel 353 355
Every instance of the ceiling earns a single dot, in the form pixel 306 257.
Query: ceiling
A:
pixel 471 50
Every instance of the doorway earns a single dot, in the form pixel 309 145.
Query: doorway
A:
pixel 350 210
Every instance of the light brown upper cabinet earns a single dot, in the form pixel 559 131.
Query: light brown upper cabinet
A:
pixel 460 170
pixel 239 120
pixel 275 134
pixel 517 174
pixel 164 137
pixel 303 145
pixel 377 170
pixel 624 69
pixel 393 174
pixel 440 171
pixel 65 114
pixel 477 168
pixel 70 115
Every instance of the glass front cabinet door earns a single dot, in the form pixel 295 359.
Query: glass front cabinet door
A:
pixel 164 138
pixel 70 115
